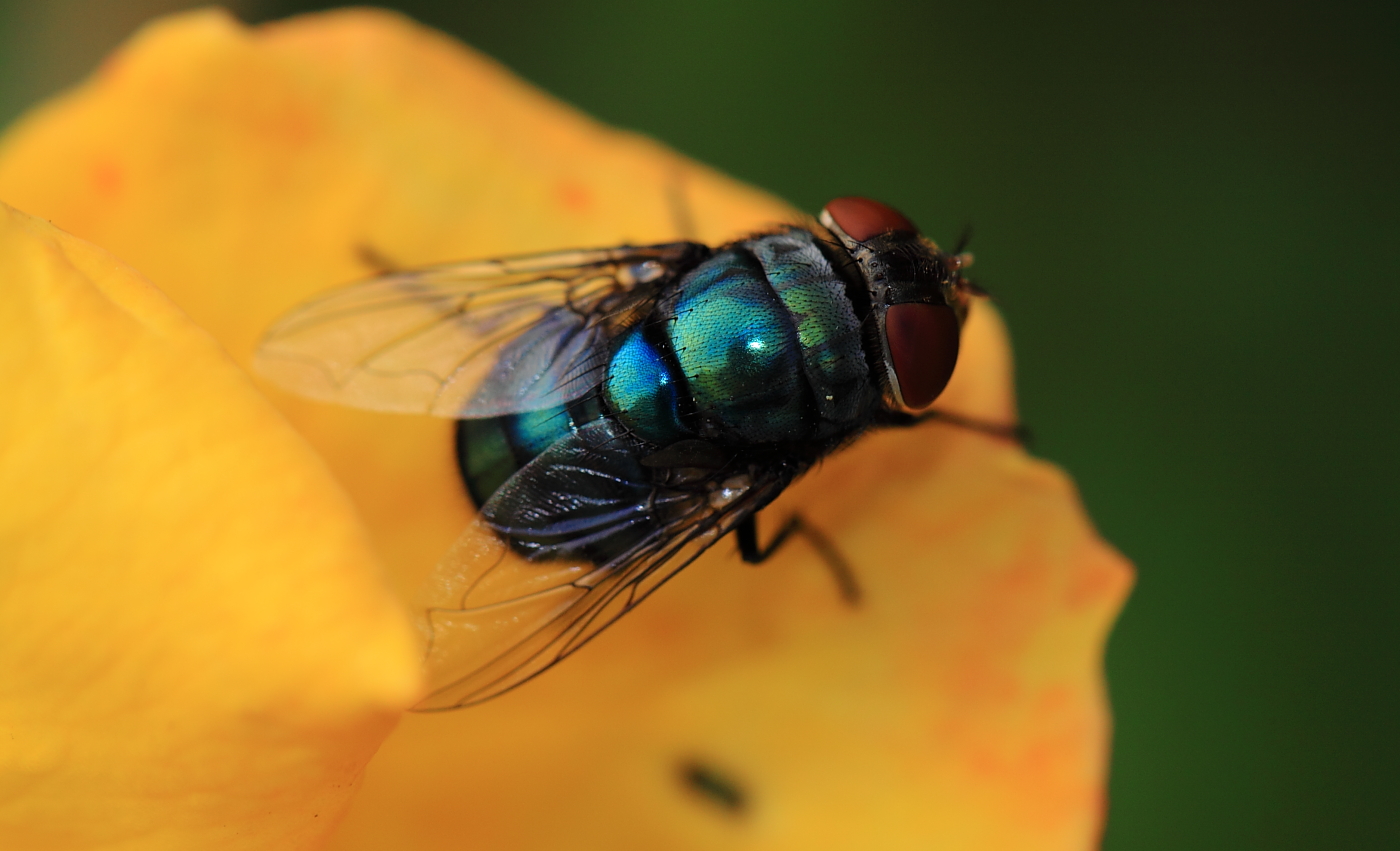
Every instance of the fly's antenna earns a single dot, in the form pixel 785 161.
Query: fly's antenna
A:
pixel 962 258
pixel 964 240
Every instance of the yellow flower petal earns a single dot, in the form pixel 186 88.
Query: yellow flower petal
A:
pixel 961 706
pixel 197 651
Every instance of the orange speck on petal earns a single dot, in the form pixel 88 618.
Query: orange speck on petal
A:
pixel 1102 580
pixel 107 177
pixel 574 196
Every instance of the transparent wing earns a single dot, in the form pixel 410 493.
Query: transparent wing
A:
pixel 469 339
pixel 494 618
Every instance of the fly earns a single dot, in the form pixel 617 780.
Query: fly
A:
pixel 621 409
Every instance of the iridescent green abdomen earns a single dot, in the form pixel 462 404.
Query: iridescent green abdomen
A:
pixel 643 389
pixel 490 450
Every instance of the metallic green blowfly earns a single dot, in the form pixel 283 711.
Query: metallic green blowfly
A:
pixel 619 410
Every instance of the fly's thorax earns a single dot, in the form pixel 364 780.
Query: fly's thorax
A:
pixel 768 344
pixel 816 298
pixel 737 349
pixel 917 300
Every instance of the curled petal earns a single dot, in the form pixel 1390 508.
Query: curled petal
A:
pixel 197 649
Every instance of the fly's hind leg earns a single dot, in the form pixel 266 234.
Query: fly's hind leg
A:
pixel 751 552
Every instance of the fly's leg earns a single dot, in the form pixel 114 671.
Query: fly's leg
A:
pixel 1016 433
pixel 377 262
pixel 751 552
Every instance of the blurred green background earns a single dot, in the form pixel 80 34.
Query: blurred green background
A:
pixel 1188 213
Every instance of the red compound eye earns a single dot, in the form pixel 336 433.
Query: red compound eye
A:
pixel 863 219
pixel 923 341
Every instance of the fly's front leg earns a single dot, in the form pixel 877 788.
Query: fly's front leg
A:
pixel 1014 432
pixel 751 552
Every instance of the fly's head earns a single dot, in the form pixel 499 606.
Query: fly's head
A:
pixel 918 299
